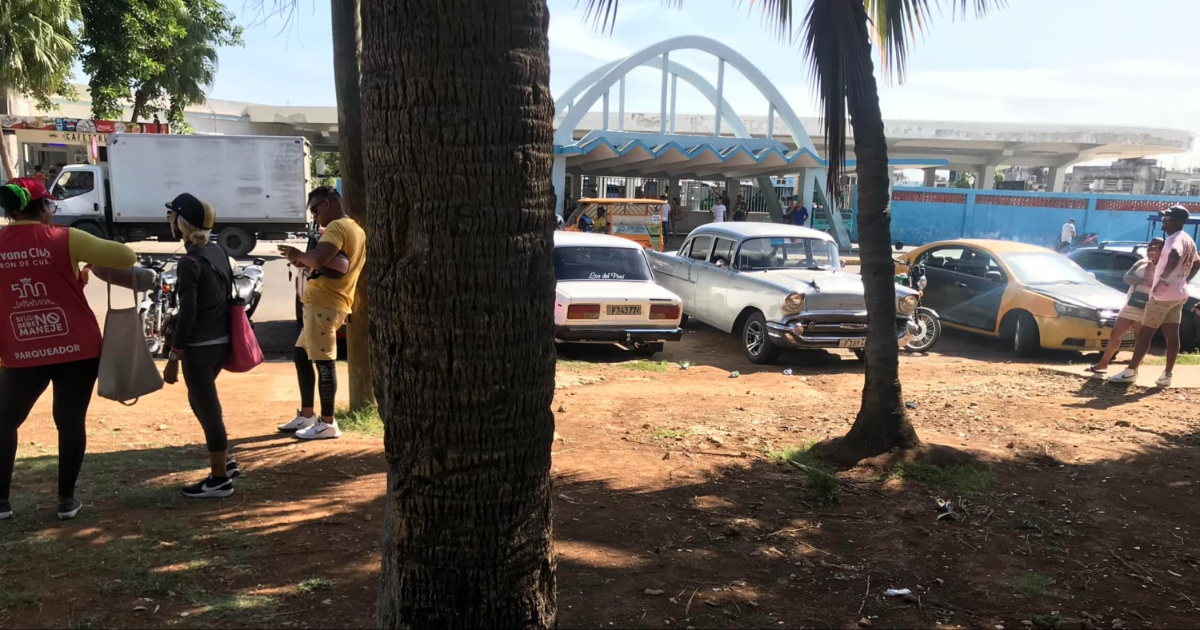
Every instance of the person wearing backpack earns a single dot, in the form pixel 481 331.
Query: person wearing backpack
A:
pixel 201 342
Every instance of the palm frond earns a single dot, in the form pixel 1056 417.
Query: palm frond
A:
pixel 602 14
pixel 832 36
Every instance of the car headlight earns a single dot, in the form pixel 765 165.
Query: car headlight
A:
pixel 793 303
pixel 908 304
pixel 1066 310
pixel 922 282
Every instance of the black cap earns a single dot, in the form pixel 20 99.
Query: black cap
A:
pixel 194 210
pixel 1176 212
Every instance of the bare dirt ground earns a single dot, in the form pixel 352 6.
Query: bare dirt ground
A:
pixel 672 506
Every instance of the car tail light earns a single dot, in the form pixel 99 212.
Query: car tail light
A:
pixel 664 311
pixel 583 311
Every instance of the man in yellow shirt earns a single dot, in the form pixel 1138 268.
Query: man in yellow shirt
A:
pixel 335 265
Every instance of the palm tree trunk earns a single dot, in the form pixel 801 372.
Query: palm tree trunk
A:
pixel 6 158
pixel 347 45
pixel 882 423
pixel 460 229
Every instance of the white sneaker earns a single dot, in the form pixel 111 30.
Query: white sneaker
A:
pixel 298 424
pixel 320 431
pixel 1127 376
pixel 1164 380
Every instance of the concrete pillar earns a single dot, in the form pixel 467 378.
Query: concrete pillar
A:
pixel 733 188
pixel 558 178
pixel 930 178
pixel 576 186
pixel 1056 177
pixel 985 177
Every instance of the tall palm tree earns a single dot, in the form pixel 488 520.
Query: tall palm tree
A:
pixel 38 44
pixel 456 93
pixel 836 40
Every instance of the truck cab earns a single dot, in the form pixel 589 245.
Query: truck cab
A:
pixel 84 199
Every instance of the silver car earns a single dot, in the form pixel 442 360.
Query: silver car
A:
pixel 777 286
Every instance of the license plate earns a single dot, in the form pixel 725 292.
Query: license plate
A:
pixel 625 310
pixel 852 343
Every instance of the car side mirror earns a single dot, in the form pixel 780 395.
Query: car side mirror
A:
pixel 1092 276
pixel 994 276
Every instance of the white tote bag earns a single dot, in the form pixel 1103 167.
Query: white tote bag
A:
pixel 127 371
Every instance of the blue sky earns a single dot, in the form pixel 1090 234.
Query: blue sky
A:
pixel 1103 62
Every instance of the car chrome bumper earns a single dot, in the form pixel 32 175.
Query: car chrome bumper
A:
pixel 571 334
pixel 799 336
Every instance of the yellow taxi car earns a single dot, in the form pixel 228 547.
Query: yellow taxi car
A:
pixel 1030 296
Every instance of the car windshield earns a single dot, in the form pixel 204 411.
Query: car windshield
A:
pixel 600 263
pixel 1046 268
pixel 787 253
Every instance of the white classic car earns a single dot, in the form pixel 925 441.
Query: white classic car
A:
pixel 606 294
pixel 777 286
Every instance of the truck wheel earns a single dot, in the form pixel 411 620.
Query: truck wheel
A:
pixel 236 241
pixel 91 227
pixel 755 343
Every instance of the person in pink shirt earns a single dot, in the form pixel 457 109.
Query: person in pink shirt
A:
pixel 1177 265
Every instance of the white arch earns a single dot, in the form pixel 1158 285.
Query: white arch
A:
pixel 566 128
pixel 702 85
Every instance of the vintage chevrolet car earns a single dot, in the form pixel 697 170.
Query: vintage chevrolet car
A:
pixel 606 294
pixel 777 286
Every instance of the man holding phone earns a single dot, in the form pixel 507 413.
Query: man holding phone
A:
pixel 334 264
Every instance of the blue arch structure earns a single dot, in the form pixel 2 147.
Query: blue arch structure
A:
pixel 707 157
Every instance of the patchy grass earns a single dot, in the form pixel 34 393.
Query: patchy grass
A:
pixel 955 479
pixel 1184 358
pixel 366 421
pixel 235 609
pixel 568 364
pixel 86 622
pixel 1046 622
pixel 663 433
pixel 1030 521
pixel 823 484
pixel 10 598
pixel 801 454
pixel 1033 584
pixel 645 365
pixel 314 584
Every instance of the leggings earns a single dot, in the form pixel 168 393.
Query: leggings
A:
pixel 325 380
pixel 201 365
pixel 20 389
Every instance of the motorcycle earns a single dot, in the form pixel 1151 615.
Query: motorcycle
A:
pixel 927 320
pixel 248 282
pixel 159 308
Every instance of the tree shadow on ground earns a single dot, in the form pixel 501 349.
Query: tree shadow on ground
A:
pixel 747 543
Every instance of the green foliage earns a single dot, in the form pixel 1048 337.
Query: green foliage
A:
pixel 956 479
pixel 39 41
pixel 1033 584
pixel 333 168
pixel 998 178
pixel 314 584
pixel 965 180
pixel 645 365
pixel 362 421
pixel 165 57
pixel 1047 622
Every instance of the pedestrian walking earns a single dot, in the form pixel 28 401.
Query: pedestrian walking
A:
pixel 201 341
pixel 1066 236
pixel 718 211
pixel 336 263
pixel 1140 277
pixel 1177 265
pixel 50 333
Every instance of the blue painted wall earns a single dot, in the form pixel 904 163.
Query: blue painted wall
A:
pixel 1037 221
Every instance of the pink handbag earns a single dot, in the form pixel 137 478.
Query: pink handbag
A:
pixel 244 351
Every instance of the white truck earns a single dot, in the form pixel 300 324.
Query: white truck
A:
pixel 258 185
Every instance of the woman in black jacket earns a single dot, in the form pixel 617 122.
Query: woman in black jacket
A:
pixel 202 335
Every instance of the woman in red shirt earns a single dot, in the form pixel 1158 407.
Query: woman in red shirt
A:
pixel 48 333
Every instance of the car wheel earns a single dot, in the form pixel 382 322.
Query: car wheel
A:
pixel 755 342
pixel 1027 341
pixel 91 227
pixel 1187 332
pixel 683 320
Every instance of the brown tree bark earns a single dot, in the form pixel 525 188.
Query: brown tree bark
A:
pixel 882 423
pixel 347 46
pixel 456 93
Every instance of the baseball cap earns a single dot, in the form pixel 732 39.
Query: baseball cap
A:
pixel 194 210
pixel 37 190
pixel 1176 212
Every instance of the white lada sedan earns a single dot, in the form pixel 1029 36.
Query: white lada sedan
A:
pixel 606 294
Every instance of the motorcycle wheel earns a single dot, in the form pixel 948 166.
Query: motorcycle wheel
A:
pixel 153 330
pixel 930 331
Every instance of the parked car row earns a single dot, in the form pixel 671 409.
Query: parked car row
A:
pixel 774 286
